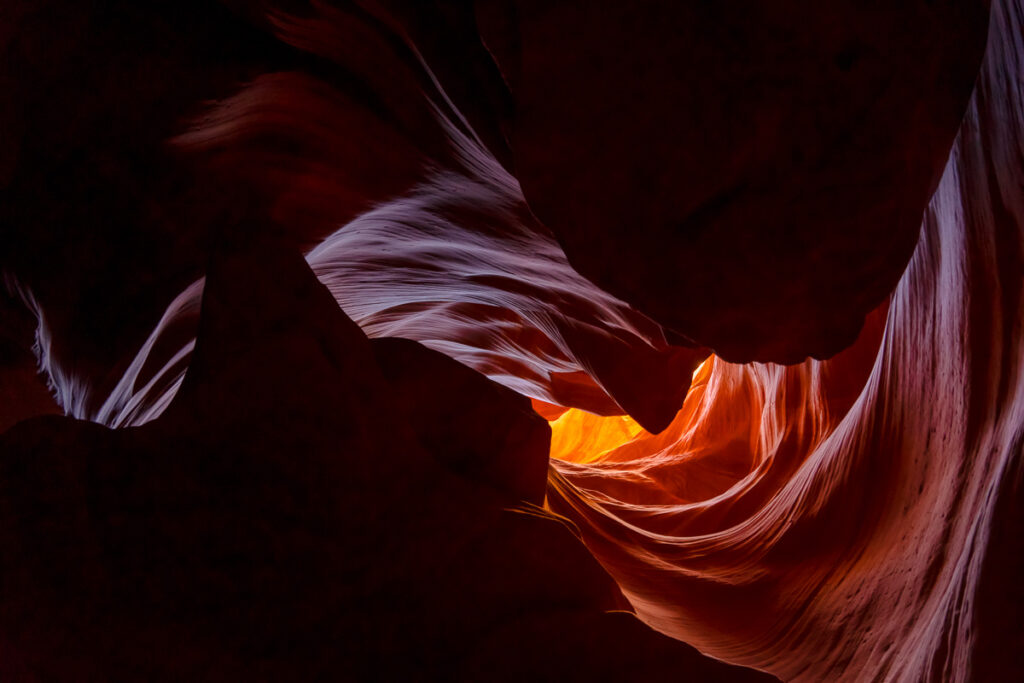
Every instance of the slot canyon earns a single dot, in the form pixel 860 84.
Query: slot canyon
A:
pixel 511 340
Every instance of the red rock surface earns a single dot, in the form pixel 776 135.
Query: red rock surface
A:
pixel 854 534
pixel 284 519
pixel 271 477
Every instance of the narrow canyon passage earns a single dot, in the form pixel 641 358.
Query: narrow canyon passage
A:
pixel 500 341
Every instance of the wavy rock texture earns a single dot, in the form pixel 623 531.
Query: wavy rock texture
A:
pixel 299 151
pixel 269 494
pixel 292 515
pixel 460 265
pixel 782 524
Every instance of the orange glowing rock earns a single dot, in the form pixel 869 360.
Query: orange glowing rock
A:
pixel 579 436
pixel 857 518
pixel 582 437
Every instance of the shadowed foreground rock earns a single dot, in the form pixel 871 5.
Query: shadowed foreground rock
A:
pixel 285 520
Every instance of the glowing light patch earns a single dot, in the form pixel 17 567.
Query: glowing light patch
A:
pixel 582 437
pixel 579 436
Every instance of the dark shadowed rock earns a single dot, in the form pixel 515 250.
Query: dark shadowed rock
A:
pixel 751 175
pixel 282 521
pixel 473 426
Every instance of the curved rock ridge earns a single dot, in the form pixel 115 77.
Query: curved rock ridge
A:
pixel 294 515
pixel 460 265
pixel 853 519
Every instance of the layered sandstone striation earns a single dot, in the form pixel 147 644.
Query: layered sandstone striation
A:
pixel 274 467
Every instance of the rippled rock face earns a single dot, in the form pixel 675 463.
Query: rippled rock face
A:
pixel 305 520
pixel 273 468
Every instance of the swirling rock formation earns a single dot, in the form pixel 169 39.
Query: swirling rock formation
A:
pixel 791 521
pixel 293 515
pixel 275 477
